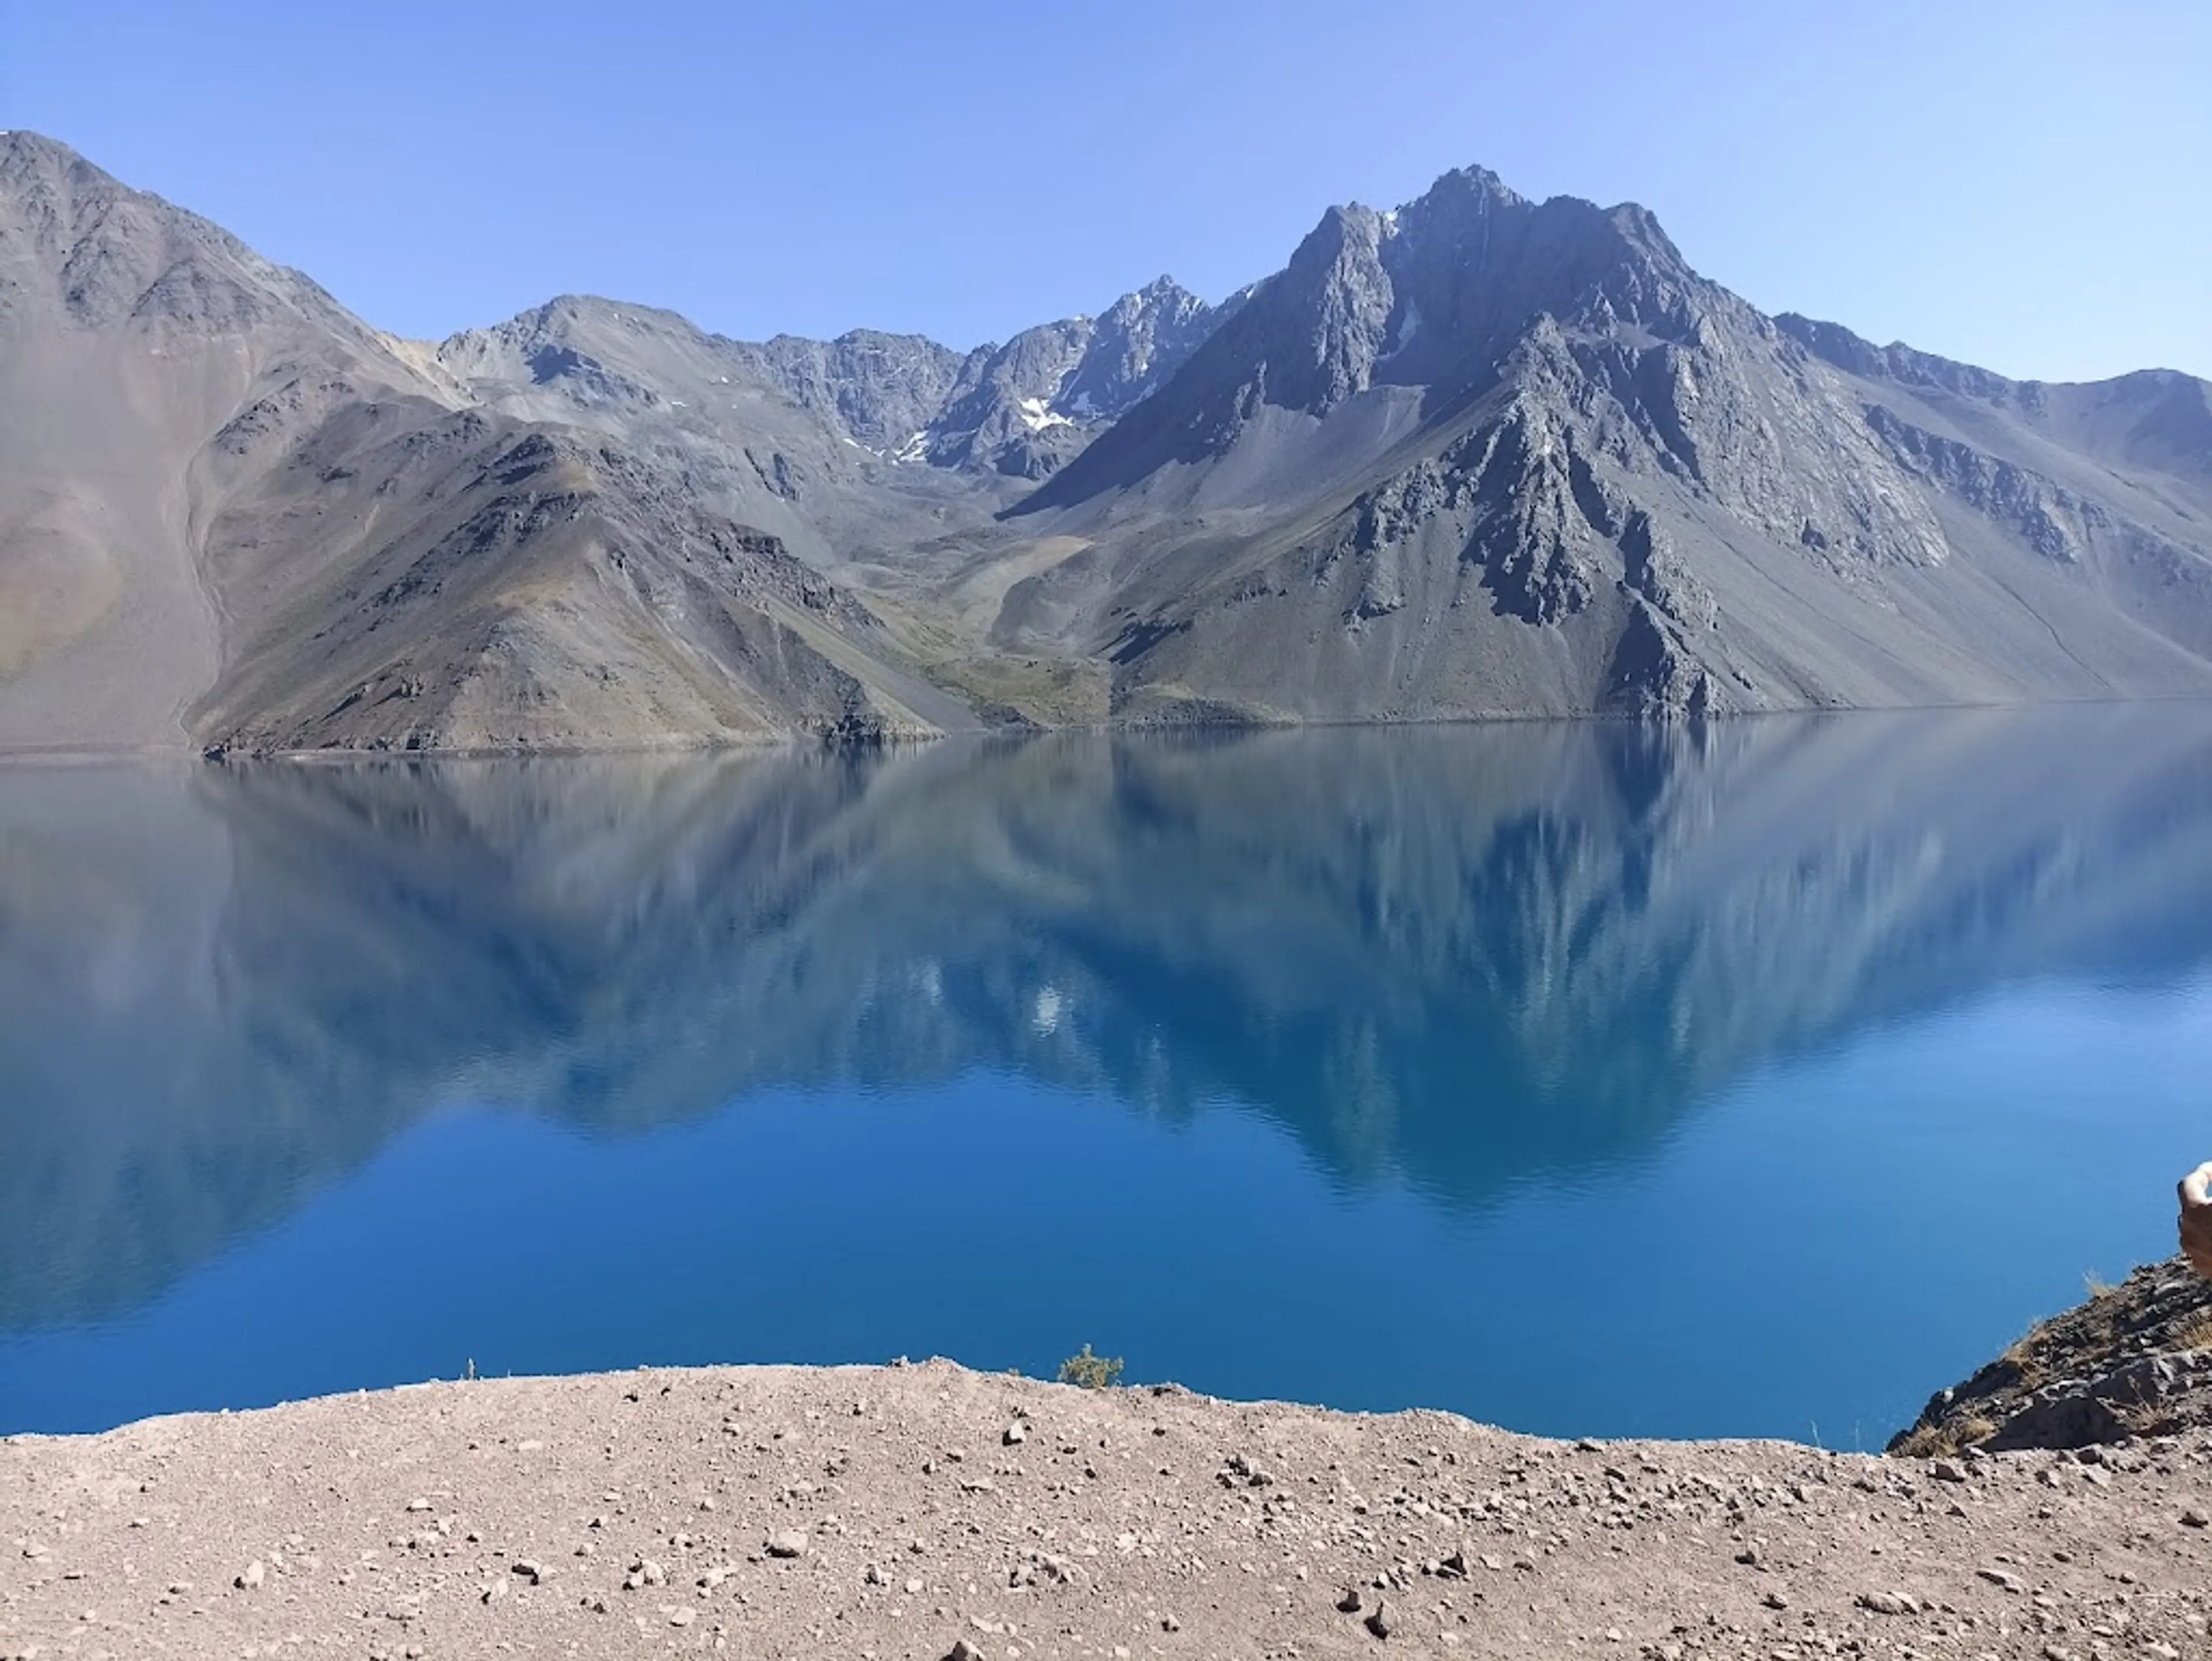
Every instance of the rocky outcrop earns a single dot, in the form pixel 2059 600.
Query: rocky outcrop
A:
pixel 1030 406
pixel 2133 1361
pixel 2053 520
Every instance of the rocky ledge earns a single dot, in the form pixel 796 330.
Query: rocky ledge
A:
pixel 2134 1361
pixel 928 1511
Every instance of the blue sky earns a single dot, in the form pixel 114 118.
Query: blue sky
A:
pixel 2025 186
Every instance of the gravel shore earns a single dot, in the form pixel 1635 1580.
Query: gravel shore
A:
pixel 929 1511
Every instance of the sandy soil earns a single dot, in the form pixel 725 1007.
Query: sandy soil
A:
pixel 929 1511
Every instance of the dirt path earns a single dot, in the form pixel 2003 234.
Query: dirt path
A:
pixel 905 1511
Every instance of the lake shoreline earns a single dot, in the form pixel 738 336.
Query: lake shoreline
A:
pixel 910 1510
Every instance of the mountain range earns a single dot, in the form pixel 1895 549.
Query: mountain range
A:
pixel 1475 456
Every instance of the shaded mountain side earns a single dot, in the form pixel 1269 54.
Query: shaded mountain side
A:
pixel 1394 946
pixel 479 585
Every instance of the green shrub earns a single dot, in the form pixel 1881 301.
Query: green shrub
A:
pixel 1090 1372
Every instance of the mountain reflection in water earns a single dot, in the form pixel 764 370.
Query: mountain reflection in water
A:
pixel 1447 962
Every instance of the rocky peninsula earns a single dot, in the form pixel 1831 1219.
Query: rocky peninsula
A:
pixel 930 1511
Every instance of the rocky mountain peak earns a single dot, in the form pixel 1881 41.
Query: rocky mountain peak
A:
pixel 78 243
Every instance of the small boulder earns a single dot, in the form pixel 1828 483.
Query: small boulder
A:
pixel 1888 1603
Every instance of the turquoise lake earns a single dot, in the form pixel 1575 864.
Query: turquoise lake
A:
pixel 1754 1080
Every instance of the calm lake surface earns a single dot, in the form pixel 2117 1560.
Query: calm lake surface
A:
pixel 1580 1078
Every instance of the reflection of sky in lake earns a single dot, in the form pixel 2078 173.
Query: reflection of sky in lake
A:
pixel 1580 1078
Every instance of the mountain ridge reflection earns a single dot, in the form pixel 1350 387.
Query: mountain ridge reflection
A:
pixel 1461 958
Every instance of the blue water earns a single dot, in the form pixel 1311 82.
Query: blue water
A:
pixel 1584 1079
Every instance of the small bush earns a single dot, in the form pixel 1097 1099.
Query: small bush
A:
pixel 1089 1371
pixel 1951 1436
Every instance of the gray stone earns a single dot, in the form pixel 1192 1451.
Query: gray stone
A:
pixel 1888 1603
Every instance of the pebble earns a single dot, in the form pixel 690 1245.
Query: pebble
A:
pixel 1379 1620
pixel 962 1650
pixel 251 1576
pixel 1016 1433
pixel 494 1590
pixel 787 1542
pixel 914 1586
pixel 1944 1470
pixel 532 1571
pixel 2193 1517
pixel 680 1618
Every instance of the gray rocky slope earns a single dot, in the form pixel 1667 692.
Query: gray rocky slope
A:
pixel 1478 455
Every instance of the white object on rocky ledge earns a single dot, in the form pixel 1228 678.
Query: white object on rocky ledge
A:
pixel 2197 1218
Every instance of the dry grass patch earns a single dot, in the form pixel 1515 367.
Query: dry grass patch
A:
pixel 1950 1436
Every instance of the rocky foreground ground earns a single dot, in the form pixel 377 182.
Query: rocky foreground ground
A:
pixel 926 1512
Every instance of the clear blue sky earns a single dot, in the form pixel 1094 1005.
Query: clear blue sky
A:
pixel 2024 184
